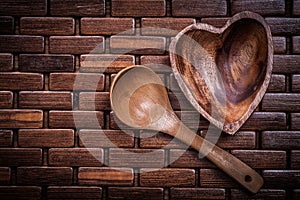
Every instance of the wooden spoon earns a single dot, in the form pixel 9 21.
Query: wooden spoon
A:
pixel 140 100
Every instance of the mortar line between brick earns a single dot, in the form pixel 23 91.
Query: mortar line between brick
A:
pixel 197 177
pixel 167 157
pixel 107 8
pixel 77 63
pixel 258 140
pixel 15 63
pixel 106 156
pixel 227 193
pixel 46 45
pixel 48 7
pixel 138 25
pixel 46 119
pixel 288 8
pixel 136 176
pixel 104 193
pixel 77 26
pixel 13 175
pixel 106 83
pixel 137 139
pixel 75 176
pixel 17 25
pixel 168 8
pixel 45 157
pixel 167 193
pixel 228 8
pixel 288 121
pixel 76 138
pixel 15 99
pixel 288 159
pixel 15 138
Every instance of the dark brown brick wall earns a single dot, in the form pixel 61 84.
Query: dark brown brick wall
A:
pixel 46 46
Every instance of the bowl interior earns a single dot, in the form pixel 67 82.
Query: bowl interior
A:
pixel 224 71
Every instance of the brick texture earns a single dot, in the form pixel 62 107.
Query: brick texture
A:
pixel 277 83
pixel 105 176
pixel 189 158
pixel 296 44
pixel 295 159
pixel 20 156
pixel 266 121
pixel 286 64
pixel 167 177
pixel 6 25
pixel 21 192
pixel 60 138
pixel 262 194
pixel 276 7
pixel 46 100
pixel 296 83
pixel 75 157
pixel 284 26
pixel 202 193
pixel 281 102
pixel 23 7
pixel 18 118
pixel 4 175
pixel 74 192
pixel 216 178
pixel 77 8
pixel 44 175
pixel 138 8
pixel 73 119
pixel 137 45
pixel 271 159
pixel 241 140
pixel 165 26
pixel 76 44
pixel 152 139
pixel 46 137
pixel 105 63
pixel 6 99
pixel 94 101
pixel 79 81
pixel 281 140
pixel 6 137
pixel 21 43
pixel 6 62
pixel 136 158
pixel 288 178
pixel 279 44
pixel 21 81
pixel 106 138
pixel 47 26
pixel 107 26
pixel 157 63
pixel 296 6
pixel 196 8
pixel 142 193
pixel 295 121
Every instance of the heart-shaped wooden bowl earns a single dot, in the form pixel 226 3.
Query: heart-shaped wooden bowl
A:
pixel 224 72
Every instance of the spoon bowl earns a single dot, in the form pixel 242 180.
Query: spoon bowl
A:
pixel 140 100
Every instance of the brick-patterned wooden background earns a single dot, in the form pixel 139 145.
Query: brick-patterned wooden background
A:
pixel 43 45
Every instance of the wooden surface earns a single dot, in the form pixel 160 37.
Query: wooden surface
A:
pixel 224 72
pixel 275 131
pixel 46 137
pixel 145 104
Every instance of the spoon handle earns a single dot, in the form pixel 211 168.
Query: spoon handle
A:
pixel 231 165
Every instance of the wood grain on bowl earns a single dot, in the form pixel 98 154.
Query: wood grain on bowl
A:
pixel 224 72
